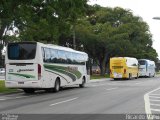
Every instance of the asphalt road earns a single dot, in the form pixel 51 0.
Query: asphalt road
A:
pixel 97 100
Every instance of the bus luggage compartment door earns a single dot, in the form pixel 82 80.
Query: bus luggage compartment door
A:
pixel 21 71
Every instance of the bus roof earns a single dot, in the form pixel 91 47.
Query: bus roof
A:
pixel 61 48
pixel 144 59
pixel 123 58
pixel 52 46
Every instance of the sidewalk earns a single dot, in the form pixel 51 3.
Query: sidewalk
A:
pixel 2 77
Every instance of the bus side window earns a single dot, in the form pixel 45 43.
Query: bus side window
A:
pixel 81 59
pixel 75 58
pixel 61 56
pixel 47 55
pixel 43 54
pixel 85 58
pixel 54 56
pixel 134 64
pixel 69 57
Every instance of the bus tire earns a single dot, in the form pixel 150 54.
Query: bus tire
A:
pixel 149 75
pixel 136 76
pixel 57 85
pixel 154 75
pixel 83 83
pixel 29 90
pixel 130 76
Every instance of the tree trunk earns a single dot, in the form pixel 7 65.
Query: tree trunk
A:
pixel 104 66
pixel 108 65
pixel 102 62
pixel 74 37
pixel 2 31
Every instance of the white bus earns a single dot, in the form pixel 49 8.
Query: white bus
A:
pixel 32 65
pixel 146 68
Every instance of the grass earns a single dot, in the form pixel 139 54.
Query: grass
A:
pixel 99 76
pixel 158 73
pixel 3 89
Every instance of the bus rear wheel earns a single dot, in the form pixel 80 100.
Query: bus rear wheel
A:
pixel 29 90
pixel 136 76
pixel 130 76
pixel 154 75
pixel 57 85
pixel 149 75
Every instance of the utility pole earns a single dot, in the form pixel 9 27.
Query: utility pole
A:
pixel 74 38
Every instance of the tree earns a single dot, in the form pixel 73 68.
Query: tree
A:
pixel 109 32
pixel 39 20
pixel 48 20
pixel 7 16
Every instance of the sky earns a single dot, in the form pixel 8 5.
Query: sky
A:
pixel 147 9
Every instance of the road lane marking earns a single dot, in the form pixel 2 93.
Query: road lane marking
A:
pixel 2 99
pixel 20 97
pixel 64 101
pixel 13 94
pixel 154 100
pixel 155 94
pixel 110 89
pixel 154 97
pixel 155 104
pixel 13 98
pixel 98 85
pixel 104 84
pixel 138 83
pixel 157 110
pixel 147 102
pixel 8 98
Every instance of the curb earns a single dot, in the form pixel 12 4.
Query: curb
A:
pixel 99 80
pixel 90 81
pixel 19 91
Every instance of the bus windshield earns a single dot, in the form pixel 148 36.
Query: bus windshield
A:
pixel 21 51
pixel 142 62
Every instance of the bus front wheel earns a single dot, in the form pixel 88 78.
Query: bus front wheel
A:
pixel 83 83
pixel 57 85
pixel 130 76
pixel 136 76
pixel 149 75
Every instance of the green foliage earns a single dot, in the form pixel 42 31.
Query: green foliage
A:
pixel 47 21
pixel 104 32
pixel 109 32
pixel 40 20
pixel 3 89
pixel 95 77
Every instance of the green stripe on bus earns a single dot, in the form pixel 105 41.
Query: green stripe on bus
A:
pixel 22 75
pixel 64 70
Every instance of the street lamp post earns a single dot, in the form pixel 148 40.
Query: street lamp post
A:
pixel 158 64
pixel 156 18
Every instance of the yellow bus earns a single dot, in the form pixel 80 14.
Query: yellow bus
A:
pixel 123 67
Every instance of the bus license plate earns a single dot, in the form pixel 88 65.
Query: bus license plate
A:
pixel 20 82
